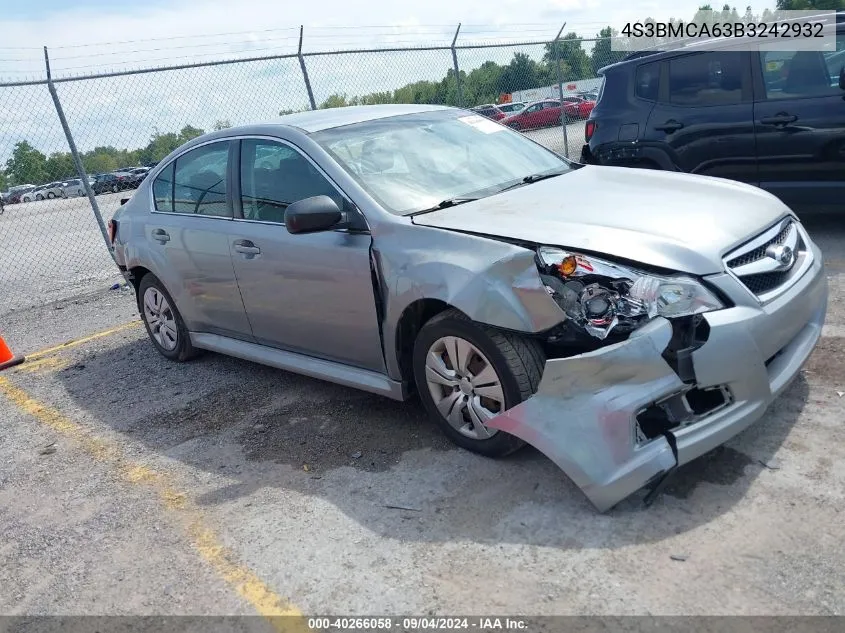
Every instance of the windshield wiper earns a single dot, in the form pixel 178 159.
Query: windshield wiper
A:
pixel 531 179
pixel 445 204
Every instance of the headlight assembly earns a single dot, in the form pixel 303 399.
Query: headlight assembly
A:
pixel 600 296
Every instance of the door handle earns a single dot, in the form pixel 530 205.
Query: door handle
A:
pixel 161 236
pixel 669 127
pixel 246 247
pixel 781 118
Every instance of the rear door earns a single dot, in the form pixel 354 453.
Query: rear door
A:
pixel 799 119
pixel 188 241
pixel 703 116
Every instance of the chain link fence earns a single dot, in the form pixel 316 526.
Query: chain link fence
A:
pixel 51 246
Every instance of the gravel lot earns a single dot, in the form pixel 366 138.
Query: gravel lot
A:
pixel 131 485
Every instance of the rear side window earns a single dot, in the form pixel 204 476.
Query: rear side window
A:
pixel 706 79
pixel 163 190
pixel 199 181
pixel 648 81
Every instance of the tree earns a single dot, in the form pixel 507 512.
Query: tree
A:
pixel 335 101
pixel 4 181
pixel 569 50
pixel 520 74
pixel 221 124
pixel 60 166
pixel 26 165
pixel 603 53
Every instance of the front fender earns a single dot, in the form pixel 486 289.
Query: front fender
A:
pixel 492 282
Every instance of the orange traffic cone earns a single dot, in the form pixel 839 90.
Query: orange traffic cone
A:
pixel 7 359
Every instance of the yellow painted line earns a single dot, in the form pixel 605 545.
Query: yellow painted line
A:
pixel 282 615
pixel 83 340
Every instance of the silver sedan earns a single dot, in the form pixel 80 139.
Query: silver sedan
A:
pixel 402 249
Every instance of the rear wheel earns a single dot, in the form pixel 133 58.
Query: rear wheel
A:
pixel 467 373
pixel 164 324
pixel 51 195
pixel 39 197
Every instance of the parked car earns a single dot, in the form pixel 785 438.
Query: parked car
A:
pixel 539 114
pixel 13 195
pixel 490 111
pixel 767 117
pixel 577 107
pixel 411 248
pixel 511 108
pixel 36 193
pixel 50 190
pixel 133 177
pixel 105 183
pixel 75 187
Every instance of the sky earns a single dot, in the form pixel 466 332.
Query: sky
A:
pixel 96 36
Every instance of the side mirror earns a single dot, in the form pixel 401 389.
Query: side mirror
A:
pixel 842 78
pixel 318 213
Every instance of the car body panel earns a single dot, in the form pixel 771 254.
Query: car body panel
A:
pixel 322 273
pixel 479 258
pixel 195 267
pixel 802 162
pixel 549 212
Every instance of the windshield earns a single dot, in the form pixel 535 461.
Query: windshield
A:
pixel 414 162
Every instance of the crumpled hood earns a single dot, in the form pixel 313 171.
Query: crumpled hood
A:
pixel 671 220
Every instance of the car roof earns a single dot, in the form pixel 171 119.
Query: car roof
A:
pixel 317 120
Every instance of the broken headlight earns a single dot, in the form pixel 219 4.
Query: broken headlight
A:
pixel 599 296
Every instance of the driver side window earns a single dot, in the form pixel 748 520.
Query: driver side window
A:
pixel 273 176
pixel 199 181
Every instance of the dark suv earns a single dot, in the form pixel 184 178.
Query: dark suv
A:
pixel 771 118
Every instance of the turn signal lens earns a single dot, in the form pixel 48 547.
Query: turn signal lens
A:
pixel 568 266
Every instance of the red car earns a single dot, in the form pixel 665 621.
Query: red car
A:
pixel 543 113
pixel 547 112
pixel 581 107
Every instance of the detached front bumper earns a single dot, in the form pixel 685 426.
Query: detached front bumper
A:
pixel 584 414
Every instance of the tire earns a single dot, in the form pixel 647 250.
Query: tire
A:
pixel 39 197
pixel 114 189
pixel 518 365
pixel 79 193
pixel 155 313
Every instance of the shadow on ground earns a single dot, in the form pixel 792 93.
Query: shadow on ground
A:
pixel 263 428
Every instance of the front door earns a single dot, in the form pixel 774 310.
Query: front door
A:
pixel 703 115
pixel 799 119
pixel 307 293
pixel 187 237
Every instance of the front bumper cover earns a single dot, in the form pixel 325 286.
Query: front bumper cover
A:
pixel 583 415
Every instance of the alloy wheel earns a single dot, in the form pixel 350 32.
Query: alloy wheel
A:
pixel 159 316
pixel 464 386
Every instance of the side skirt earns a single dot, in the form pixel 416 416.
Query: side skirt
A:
pixel 338 373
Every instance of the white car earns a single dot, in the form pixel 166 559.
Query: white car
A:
pixel 75 187
pixel 50 190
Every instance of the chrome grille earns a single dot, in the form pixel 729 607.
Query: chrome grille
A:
pixel 760 251
pixel 767 264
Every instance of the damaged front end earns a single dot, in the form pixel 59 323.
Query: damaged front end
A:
pixel 644 397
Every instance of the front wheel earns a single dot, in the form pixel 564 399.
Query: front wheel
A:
pixel 114 189
pixel 39 197
pixel 164 324
pixel 467 373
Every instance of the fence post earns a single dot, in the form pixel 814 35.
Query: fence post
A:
pixel 305 70
pixel 457 70
pixel 77 161
pixel 563 122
